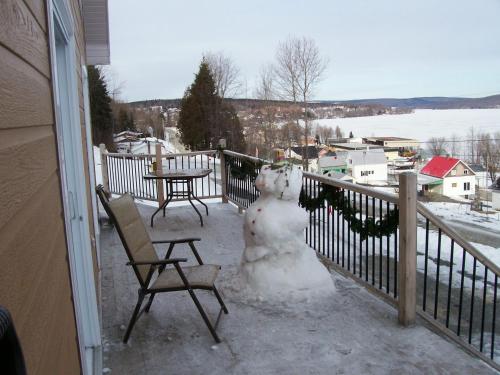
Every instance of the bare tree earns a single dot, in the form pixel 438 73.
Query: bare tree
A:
pixel 225 74
pixel 266 91
pixel 299 68
pixel 455 149
pixel 489 151
pixel 471 146
pixel 324 132
pixel 437 146
pixel 338 132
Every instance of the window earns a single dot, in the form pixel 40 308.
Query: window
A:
pixel 454 172
pixel 454 185
pixel 466 171
pixel 466 186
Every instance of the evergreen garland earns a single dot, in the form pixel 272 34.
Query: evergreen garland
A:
pixel 244 169
pixel 336 199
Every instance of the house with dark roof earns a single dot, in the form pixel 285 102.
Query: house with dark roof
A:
pixel 298 152
pixel 449 176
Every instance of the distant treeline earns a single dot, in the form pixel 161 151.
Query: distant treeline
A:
pixel 412 103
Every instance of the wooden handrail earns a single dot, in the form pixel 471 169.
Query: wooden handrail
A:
pixel 124 155
pixel 457 237
pixel 389 197
pixel 243 156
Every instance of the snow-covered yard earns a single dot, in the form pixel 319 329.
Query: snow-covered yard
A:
pixel 462 212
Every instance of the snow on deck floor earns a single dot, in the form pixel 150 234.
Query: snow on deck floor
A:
pixel 353 333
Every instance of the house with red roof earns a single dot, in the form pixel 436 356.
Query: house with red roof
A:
pixel 447 176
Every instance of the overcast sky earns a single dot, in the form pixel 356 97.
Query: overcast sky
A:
pixel 384 48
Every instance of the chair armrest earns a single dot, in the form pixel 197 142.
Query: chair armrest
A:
pixel 179 240
pixel 157 262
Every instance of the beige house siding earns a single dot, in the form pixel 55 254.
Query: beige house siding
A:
pixel 459 170
pixel 35 281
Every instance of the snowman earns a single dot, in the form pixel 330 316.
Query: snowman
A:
pixel 276 261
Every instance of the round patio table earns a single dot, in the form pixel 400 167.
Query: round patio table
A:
pixel 184 178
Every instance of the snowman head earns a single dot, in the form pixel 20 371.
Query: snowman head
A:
pixel 284 183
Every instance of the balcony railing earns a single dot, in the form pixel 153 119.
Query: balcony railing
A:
pixel 421 265
pixel 124 173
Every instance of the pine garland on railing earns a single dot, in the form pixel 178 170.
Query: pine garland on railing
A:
pixel 336 199
pixel 247 168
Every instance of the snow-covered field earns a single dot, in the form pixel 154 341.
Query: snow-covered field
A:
pixel 421 124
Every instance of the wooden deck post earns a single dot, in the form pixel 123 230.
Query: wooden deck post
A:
pixel 104 167
pixel 223 176
pixel 159 172
pixel 407 267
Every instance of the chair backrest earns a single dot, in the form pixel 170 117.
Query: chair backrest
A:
pixel 133 234
pixel 104 198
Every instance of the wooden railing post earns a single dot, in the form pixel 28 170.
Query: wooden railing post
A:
pixel 223 176
pixel 159 172
pixel 407 267
pixel 104 167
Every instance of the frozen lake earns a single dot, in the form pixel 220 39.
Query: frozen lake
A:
pixel 422 124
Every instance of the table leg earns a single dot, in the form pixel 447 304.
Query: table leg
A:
pixel 206 207
pixel 190 191
pixel 162 207
pixel 158 210
pixel 198 212
pixel 170 195
pixel 189 195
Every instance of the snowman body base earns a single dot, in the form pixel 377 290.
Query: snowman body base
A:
pixel 277 262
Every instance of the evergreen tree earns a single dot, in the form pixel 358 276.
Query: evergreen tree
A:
pixel 230 128
pixel 204 117
pixel 100 108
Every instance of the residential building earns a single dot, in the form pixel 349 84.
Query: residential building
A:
pixel 127 136
pixel 332 141
pixel 457 178
pixel 333 163
pixel 367 166
pixel 350 146
pixel 298 152
pixel 394 142
pixel 482 176
pixel 48 227
pixel 395 148
pixel 340 176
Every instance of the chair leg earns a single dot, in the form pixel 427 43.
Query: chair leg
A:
pixel 204 316
pixel 148 306
pixel 219 298
pixel 134 316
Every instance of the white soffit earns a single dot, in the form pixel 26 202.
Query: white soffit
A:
pixel 96 23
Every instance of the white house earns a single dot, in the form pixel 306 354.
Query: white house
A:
pixel 495 195
pixel 367 166
pixel 458 179
pixel 482 176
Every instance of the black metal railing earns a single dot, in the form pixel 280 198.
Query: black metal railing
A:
pixel 125 173
pixel 457 286
pixel 240 173
pixel 336 231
